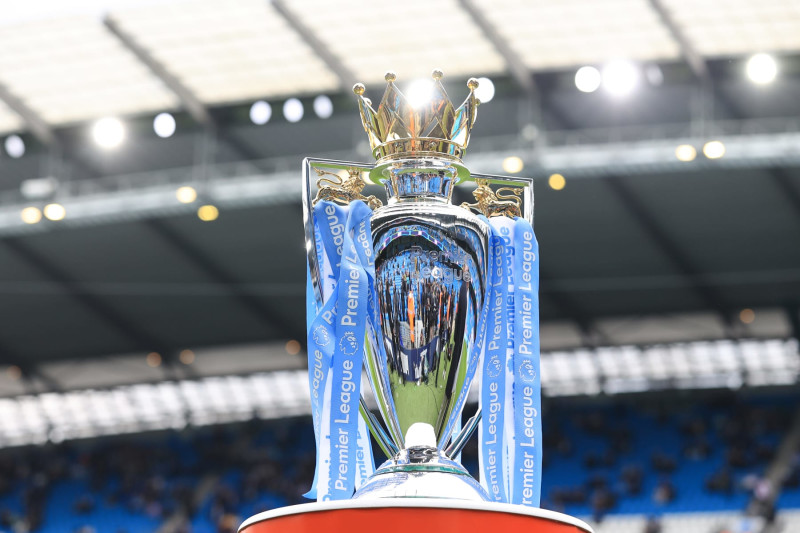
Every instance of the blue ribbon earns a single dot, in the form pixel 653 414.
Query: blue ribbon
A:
pixel 335 350
pixel 493 379
pixel 527 382
pixel 510 433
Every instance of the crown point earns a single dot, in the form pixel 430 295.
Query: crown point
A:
pixel 359 88
pixel 472 83
pixel 390 76
pixel 437 74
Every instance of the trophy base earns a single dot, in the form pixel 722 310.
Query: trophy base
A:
pixel 421 472
pixel 421 515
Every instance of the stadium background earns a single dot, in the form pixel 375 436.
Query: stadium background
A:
pixel 152 263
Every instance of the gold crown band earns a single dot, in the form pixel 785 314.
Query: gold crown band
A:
pixel 418 147
pixel 398 129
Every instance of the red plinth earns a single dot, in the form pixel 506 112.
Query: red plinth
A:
pixel 411 516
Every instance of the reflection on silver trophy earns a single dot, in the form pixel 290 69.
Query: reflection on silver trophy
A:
pixel 431 288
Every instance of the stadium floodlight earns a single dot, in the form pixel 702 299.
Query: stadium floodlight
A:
pixel 620 77
pixel 260 112
pixel 31 215
pixel 293 110
pixel 186 194
pixel 557 182
pixel 164 125
pixel 15 146
pixel 485 90
pixel 685 152
pixel 588 79
pixel 207 213
pixel 762 69
pixel 108 132
pixel 513 164
pixel 714 149
pixel 55 212
pixel 323 106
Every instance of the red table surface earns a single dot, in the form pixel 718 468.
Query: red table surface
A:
pixel 408 520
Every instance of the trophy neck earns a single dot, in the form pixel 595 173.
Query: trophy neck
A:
pixel 428 180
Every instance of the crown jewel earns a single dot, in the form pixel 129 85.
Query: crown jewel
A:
pixel 399 129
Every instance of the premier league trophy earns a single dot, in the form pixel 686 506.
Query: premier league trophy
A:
pixel 426 297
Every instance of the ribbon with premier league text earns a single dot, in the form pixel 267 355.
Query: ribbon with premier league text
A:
pixel 335 348
pixel 507 339
pixel 511 427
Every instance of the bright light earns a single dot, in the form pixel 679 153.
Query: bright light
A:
pixel 747 316
pixel 485 90
pixel 108 132
pixel 513 164
pixel 293 109
pixel 260 112
pixel 620 78
pixel 15 146
pixel 557 182
pixel 762 69
pixel 588 79
pixel 714 149
pixel 186 195
pixel 186 357
pixel 293 347
pixel 153 359
pixel 55 211
pixel 323 106
pixel 685 152
pixel 207 213
pixel 419 92
pixel 31 215
pixel 164 125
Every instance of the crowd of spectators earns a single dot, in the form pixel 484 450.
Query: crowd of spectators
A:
pixel 209 479
pixel 735 438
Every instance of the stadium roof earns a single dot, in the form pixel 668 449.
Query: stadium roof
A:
pixel 72 63
pixel 639 248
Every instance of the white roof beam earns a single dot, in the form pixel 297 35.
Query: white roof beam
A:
pixel 690 54
pixel 345 75
pixel 32 120
pixel 516 66
pixel 189 101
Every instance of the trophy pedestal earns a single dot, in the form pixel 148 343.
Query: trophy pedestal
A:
pixel 420 515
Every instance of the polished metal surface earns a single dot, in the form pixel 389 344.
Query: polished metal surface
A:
pixel 421 472
pixel 430 278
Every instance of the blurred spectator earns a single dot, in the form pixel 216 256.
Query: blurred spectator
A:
pixel 664 492
pixel 653 525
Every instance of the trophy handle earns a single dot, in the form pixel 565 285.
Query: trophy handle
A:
pixel 457 444
pixel 375 428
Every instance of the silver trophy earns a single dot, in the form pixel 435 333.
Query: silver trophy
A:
pixel 431 261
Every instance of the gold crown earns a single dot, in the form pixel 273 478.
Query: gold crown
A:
pixel 435 128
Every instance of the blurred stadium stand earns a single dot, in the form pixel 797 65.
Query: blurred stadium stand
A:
pixel 152 266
